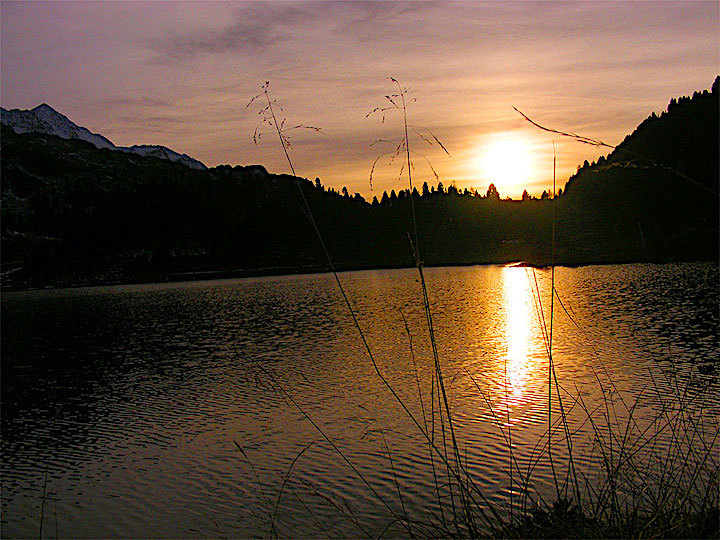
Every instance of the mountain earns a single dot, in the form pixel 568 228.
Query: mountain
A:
pixel 163 153
pixel 73 213
pixel 45 119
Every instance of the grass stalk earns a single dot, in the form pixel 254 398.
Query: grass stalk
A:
pixel 647 471
pixel 550 337
pixel 42 505
pixel 286 477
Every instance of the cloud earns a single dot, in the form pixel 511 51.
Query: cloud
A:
pixel 251 29
pixel 241 35
pixel 256 27
pixel 142 101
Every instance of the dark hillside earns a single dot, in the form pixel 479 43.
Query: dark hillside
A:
pixel 74 211
pixel 74 214
pixel 656 195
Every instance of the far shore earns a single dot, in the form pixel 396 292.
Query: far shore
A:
pixel 7 284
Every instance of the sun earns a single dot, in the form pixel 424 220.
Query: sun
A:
pixel 506 160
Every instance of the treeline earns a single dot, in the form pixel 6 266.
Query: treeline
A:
pixel 659 186
pixel 72 213
pixel 430 191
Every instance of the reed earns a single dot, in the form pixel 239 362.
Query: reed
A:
pixel 646 479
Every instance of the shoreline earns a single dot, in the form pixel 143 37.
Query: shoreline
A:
pixel 277 271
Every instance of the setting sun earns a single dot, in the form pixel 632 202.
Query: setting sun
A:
pixel 506 160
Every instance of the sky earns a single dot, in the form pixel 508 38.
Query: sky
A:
pixel 181 74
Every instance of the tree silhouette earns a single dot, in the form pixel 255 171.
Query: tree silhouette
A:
pixel 70 210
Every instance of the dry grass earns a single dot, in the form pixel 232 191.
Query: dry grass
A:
pixel 651 478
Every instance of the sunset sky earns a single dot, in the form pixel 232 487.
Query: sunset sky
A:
pixel 180 74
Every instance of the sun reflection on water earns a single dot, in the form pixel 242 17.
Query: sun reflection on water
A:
pixel 519 363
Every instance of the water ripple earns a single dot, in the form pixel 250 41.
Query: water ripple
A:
pixel 130 400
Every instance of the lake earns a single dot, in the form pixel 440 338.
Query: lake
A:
pixel 242 407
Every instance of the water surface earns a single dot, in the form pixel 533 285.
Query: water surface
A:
pixel 126 405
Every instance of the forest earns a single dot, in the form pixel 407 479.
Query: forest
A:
pixel 74 214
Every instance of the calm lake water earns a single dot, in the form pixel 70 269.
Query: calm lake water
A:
pixel 126 405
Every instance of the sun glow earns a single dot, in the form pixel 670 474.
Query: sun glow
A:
pixel 506 160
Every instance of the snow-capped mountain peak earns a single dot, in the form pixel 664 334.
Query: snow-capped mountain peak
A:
pixel 164 153
pixel 45 119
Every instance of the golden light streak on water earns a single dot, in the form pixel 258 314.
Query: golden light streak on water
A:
pixel 519 363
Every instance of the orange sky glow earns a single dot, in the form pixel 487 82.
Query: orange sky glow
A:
pixel 181 73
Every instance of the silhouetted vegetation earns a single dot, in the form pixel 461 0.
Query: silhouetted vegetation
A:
pixel 657 191
pixel 73 213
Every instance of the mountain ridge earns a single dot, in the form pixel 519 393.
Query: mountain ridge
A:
pixel 45 119
pixel 72 213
